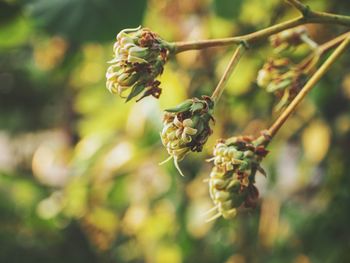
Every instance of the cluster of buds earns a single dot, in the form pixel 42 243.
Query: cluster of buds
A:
pixel 231 181
pixel 187 127
pixel 291 38
pixel 139 58
pixel 282 77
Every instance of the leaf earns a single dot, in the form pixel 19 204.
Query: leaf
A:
pixel 136 90
pixel 85 21
pixel 228 8
pixel 184 106
pixel 197 106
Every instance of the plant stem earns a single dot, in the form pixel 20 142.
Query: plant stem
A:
pixel 202 44
pixel 249 39
pixel 303 9
pixel 308 16
pixel 228 71
pixel 333 42
pixel 310 61
pixel 308 86
pixel 328 18
pixel 319 17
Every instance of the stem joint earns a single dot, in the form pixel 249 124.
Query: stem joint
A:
pixel 245 44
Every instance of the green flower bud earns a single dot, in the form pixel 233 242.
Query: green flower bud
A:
pixel 231 181
pixel 187 128
pixel 139 58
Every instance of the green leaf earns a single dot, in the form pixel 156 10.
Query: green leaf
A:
pixel 85 21
pixel 136 90
pixel 228 8
pixel 197 106
pixel 184 106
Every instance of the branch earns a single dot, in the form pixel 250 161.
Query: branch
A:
pixel 308 87
pixel 319 17
pixel 303 9
pixel 308 16
pixel 228 71
pixel 329 18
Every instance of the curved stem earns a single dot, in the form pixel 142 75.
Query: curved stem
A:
pixel 308 87
pixel 228 71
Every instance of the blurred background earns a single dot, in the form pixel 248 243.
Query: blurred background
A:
pixel 79 173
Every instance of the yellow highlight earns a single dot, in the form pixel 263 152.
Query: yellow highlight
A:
pixel 316 140
pixel 168 254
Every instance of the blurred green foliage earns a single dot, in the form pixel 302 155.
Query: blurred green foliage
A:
pixel 79 173
pixel 83 20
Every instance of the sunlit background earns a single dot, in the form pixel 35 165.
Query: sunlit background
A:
pixel 79 173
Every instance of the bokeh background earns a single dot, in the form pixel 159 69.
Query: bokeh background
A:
pixel 79 173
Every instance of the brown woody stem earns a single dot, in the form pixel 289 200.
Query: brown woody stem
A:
pixel 228 71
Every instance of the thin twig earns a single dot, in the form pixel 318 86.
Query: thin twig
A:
pixel 228 71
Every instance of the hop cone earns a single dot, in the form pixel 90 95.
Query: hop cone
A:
pixel 139 58
pixel 186 127
pixel 231 181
